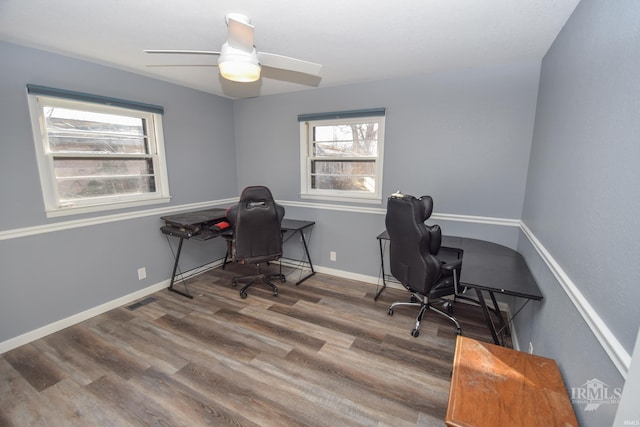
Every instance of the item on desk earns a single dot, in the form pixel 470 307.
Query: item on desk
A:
pixel 222 225
pixel 194 228
pixel 178 232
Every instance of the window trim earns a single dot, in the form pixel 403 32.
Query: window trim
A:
pixel 38 98
pixel 307 121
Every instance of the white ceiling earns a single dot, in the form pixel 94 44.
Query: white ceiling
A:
pixel 354 40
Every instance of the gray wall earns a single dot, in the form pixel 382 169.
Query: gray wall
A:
pixel 50 275
pixel 582 192
pixel 464 137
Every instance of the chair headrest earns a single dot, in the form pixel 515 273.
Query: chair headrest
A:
pixel 257 193
pixel 423 205
pixel 427 201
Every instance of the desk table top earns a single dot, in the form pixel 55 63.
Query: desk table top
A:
pixel 193 218
pixel 497 386
pixel 493 267
pixel 192 223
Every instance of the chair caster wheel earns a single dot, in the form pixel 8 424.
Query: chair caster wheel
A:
pixel 449 307
pixel 458 331
pixel 234 283
pixel 415 333
pixel 243 295
pixel 275 294
pixel 390 312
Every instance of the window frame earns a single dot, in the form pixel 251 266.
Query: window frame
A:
pixel 307 157
pixel 54 207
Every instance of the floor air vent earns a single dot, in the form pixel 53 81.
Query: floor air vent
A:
pixel 141 303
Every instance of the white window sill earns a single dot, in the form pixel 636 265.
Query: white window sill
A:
pixel 337 198
pixel 76 210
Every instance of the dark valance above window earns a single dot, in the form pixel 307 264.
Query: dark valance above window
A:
pixel 96 99
pixel 374 112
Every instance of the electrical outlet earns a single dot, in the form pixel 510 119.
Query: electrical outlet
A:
pixel 332 256
pixel 142 273
pixel 530 347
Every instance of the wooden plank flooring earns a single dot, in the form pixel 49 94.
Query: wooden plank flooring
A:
pixel 320 354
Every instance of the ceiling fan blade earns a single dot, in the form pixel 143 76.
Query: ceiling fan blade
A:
pixel 183 52
pixel 287 63
pixel 180 65
pixel 240 32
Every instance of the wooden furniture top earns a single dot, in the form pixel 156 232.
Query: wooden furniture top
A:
pixel 496 386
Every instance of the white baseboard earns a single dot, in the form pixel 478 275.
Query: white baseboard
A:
pixel 74 319
pixel 346 274
pixel 126 299
pixel 79 317
pixel 100 309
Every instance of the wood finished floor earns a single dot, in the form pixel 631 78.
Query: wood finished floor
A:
pixel 320 354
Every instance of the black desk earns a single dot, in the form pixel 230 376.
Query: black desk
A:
pixel 196 225
pixel 291 227
pixel 488 268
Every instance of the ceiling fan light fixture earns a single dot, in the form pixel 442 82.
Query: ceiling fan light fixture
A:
pixel 238 60
pixel 239 71
pixel 239 66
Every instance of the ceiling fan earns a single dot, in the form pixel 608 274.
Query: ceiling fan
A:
pixel 238 59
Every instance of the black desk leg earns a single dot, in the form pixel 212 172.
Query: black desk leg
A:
pixel 306 251
pixel 228 254
pixel 503 325
pixel 487 315
pixel 173 275
pixel 384 282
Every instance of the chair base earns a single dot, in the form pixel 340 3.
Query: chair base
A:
pixel 257 278
pixel 424 304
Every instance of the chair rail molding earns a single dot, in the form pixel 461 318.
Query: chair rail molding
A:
pixel 508 222
pixel 619 356
pixel 104 219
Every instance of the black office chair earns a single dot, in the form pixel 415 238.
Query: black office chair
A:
pixel 413 251
pixel 257 237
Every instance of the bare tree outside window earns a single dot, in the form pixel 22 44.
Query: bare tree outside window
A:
pixel 345 157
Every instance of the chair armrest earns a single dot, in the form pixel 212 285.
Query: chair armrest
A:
pixel 453 265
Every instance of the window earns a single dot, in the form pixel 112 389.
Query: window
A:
pixel 96 153
pixel 341 155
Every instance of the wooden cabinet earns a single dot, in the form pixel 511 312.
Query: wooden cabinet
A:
pixel 496 386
